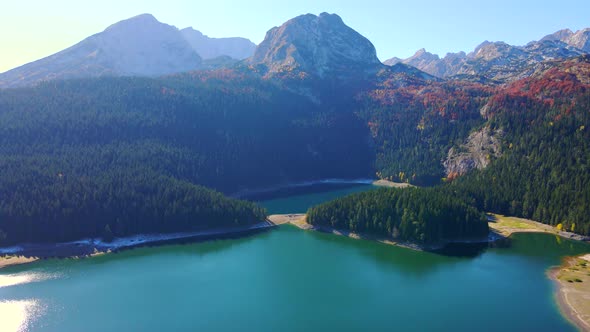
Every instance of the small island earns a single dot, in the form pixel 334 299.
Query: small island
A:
pixel 421 219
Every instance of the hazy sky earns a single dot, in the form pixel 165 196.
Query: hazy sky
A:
pixel 32 29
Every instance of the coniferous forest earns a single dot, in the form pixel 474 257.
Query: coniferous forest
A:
pixel 117 156
pixel 426 216
pixel 544 173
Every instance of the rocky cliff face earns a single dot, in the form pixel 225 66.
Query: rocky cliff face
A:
pixel 322 46
pixel 581 40
pixel 478 151
pixel 210 48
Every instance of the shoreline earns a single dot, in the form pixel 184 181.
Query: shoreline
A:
pixel 505 226
pixel 28 253
pixel 298 220
pixel 8 261
pixel 570 311
pixel 503 229
pixel 570 299
pixel 496 233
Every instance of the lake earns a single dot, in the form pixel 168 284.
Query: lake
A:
pixel 287 279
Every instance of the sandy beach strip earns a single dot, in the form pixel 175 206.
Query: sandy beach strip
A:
pixel 9 260
pixel 572 279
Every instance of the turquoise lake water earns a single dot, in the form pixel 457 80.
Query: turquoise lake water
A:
pixel 291 280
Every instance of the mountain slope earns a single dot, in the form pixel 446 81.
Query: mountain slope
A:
pixel 69 149
pixel 210 48
pixel 543 174
pixel 139 46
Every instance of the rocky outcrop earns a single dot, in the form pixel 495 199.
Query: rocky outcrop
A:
pixel 477 152
pixel 322 46
pixel 580 39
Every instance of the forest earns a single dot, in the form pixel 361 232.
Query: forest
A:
pixel 117 156
pixel 420 215
pixel 544 174
pixel 221 131
pixel 40 205
pixel 413 127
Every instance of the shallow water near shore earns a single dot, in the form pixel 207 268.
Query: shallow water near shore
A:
pixel 291 280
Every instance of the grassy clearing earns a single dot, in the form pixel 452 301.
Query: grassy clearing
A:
pixel 507 225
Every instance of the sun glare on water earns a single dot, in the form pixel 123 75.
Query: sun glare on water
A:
pixel 25 278
pixel 15 316
pixel 17 279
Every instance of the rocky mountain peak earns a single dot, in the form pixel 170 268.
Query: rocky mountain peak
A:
pixel 579 39
pixel 423 55
pixel 319 45
pixel 500 62
pixel 142 45
pixel 143 20
pixel 561 35
pixel 139 46
pixel 478 48
pixel 491 51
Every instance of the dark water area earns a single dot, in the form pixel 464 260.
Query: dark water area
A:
pixel 300 199
pixel 305 189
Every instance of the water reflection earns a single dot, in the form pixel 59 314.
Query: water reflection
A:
pixel 17 315
pixel 407 261
pixel 23 278
pixel 463 250
pixel 288 192
pixel 180 247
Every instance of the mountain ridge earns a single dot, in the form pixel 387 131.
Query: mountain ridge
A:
pixel 138 46
pixel 500 62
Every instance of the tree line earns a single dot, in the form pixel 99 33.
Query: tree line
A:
pixel 422 215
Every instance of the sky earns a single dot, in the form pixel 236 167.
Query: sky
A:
pixel 33 29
